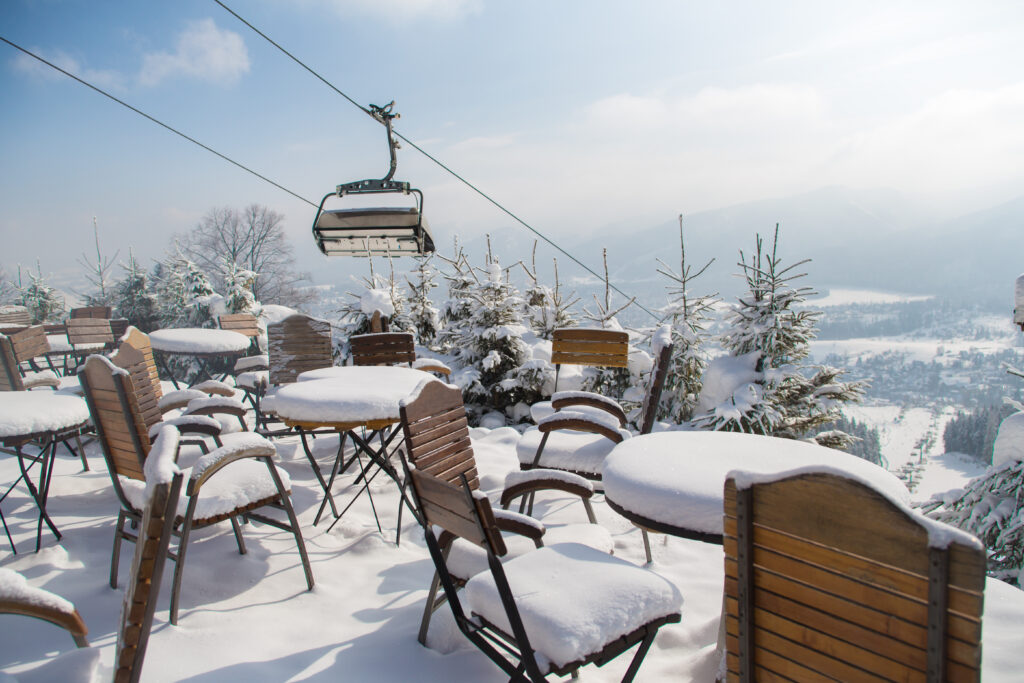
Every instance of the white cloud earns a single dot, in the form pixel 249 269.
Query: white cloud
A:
pixel 33 68
pixel 204 52
pixel 405 11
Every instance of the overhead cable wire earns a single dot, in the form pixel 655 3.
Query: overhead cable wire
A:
pixel 433 158
pixel 158 122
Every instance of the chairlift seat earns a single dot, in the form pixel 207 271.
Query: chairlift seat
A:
pixel 372 231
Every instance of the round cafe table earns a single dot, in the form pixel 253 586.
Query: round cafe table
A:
pixel 360 403
pixel 673 482
pixel 204 344
pixel 43 418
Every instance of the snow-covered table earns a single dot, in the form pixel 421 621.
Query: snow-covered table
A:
pixel 673 482
pixel 45 418
pixel 202 343
pixel 350 400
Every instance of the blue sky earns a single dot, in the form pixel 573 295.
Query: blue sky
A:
pixel 577 115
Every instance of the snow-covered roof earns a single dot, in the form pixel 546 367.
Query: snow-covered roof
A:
pixel 677 478
pixel 198 340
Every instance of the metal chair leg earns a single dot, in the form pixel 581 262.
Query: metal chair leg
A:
pixel 115 555
pixel 179 566
pixel 238 534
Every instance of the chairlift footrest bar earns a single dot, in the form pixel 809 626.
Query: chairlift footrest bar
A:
pixel 373 186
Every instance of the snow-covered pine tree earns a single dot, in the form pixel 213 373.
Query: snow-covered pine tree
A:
pixel 501 374
pixel 457 309
pixel 793 400
pixel 546 308
pixel 610 382
pixel 184 294
pixel 43 302
pixel 424 315
pixel 133 299
pixel 688 316
pixel 239 283
pixel 98 274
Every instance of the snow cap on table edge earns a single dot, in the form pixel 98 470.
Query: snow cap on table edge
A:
pixel 14 586
pixel 940 534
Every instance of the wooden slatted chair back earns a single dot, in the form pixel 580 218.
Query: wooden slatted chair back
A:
pixel 118 327
pixel 243 323
pixel 14 316
pixel 297 344
pixel 131 356
pixel 589 347
pixel 103 312
pixel 119 423
pixel 151 552
pixel 828 579
pixel 89 331
pixel 10 375
pixel 655 385
pixel 30 343
pixel 386 348
pixel 443 469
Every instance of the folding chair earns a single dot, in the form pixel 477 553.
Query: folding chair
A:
pixel 391 348
pixel 225 484
pixel 827 579
pixel 548 611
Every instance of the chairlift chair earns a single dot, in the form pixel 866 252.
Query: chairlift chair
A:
pixel 387 231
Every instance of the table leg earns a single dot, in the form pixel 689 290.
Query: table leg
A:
pixel 39 494
pixel 316 471
pixel 162 361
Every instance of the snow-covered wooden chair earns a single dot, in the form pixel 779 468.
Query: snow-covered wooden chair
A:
pixel 88 335
pixel 17 351
pixel 14 316
pixel 294 345
pixel 100 312
pixel 583 427
pixel 232 481
pixel 463 559
pixel 18 597
pixel 590 347
pixel 827 579
pixel 198 404
pixel 548 611
pixel 392 348
pixel 164 483
pixel 243 323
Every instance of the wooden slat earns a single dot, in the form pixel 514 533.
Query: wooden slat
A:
pixel 86 312
pixel 586 334
pixel 831 513
pixel 899 581
pixel 30 343
pixel 588 359
pixel 243 323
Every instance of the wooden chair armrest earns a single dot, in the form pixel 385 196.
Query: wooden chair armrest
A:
pixel 517 523
pixel 247 445
pixel 18 597
pixel 190 424
pixel 528 481
pixel 568 399
pixel 582 422
pixel 211 405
